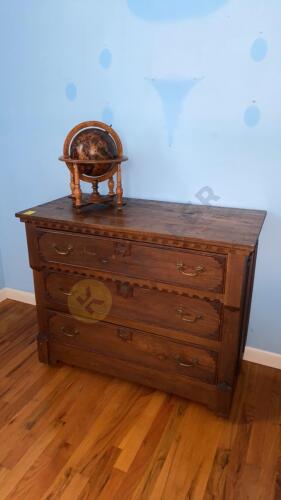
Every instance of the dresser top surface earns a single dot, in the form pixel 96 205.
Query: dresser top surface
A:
pixel 217 225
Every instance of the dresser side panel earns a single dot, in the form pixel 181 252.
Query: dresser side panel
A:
pixel 235 293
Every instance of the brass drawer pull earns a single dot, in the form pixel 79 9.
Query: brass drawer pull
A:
pixel 180 312
pixel 69 332
pixel 68 294
pixel 67 251
pixel 183 364
pixel 197 271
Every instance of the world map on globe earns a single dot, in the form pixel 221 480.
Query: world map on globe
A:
pixel 93 144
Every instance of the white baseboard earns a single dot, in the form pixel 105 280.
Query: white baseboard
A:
pixel 2 294
pixel 263 357
pixel 19 295
pixel 251 353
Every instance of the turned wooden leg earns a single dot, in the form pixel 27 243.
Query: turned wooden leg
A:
pixel 111 187
pixel 77 190
pixel 72 183
pixel 119 189
pixel 96 197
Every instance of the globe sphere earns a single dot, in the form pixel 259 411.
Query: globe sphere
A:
pixel 93 144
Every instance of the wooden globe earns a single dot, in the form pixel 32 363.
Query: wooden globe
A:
pixel 93 153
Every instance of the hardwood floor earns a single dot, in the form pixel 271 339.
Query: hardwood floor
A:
pixel 70 434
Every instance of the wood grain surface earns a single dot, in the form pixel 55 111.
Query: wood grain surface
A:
pixel 158 219
pixel 70 434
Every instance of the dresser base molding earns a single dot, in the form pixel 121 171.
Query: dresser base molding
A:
pixel 214 397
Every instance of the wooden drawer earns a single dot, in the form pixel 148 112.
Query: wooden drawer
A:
pixel 191 388
pixel 134 346
pixel 136 306
pixel 181 267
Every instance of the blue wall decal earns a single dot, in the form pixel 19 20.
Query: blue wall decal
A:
pixel 173 10
pixel 107 115
pixel 71 91
pixel 252 116
pixel 172 94
pixel 105 58
pixel 259 49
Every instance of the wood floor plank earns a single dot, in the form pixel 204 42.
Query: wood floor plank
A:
pixel 105 418
pixel 147 483
pixel 144 455
pixel 17 360
pixel 23 378
pixel 218 477
pixel 133 440
pixel 17 327
pixel 196 443
pixel 21 397
pixel 49 464
pixel 70 434
pixel 14 436
pixel 12 477
pixel 100 474
pixel 75 487
pixel 265 438
pixel 112 485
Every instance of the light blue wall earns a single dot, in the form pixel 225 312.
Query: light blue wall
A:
pixel 193 88
pixel 2 280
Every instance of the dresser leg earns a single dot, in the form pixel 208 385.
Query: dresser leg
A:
pixel 42 346
pixel 44 354
pixel 224 402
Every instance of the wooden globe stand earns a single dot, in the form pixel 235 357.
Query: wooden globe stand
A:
pixel 76 176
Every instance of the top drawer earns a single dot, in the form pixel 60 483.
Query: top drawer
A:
pixel 197 270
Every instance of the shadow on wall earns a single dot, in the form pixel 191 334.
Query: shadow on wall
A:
pixel 173 10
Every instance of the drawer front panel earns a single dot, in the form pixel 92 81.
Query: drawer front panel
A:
pixel 186 268
pixel 138 305
pixel 135 346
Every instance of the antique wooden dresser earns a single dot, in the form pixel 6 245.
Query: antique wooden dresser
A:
pixel 162 291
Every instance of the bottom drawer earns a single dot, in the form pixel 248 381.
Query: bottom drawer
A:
pixel 134 346
pixel 208 394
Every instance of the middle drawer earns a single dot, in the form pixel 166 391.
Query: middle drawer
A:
pixel 135 306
